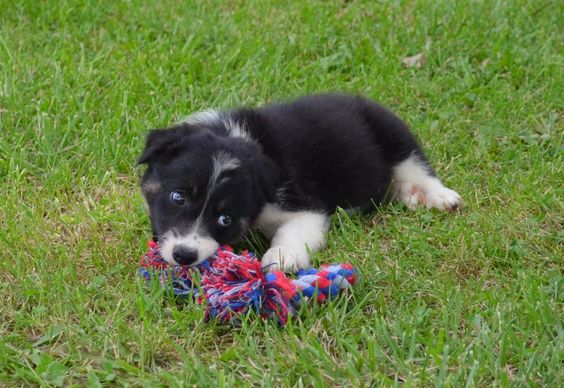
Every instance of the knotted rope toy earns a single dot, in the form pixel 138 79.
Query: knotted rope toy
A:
pixel 234 284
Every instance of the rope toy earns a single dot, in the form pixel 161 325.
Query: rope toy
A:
pixel 234 284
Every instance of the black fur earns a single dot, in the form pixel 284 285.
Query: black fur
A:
pixel 316 153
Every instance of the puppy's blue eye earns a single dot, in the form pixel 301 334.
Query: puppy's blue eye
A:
pixel 224 220
pixel 177 198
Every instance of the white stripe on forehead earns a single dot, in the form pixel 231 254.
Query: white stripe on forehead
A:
pixel 221 162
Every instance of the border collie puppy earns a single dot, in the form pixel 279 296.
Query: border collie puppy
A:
pixel 283 168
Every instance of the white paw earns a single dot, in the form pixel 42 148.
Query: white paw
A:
pixel 411 198
pixel 442 198
pixel 286 259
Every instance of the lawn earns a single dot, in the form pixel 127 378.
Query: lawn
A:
pixel 467 299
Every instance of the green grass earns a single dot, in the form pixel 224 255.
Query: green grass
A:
pixel 470 299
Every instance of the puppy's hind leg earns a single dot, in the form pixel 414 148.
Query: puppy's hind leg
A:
pixel 415 183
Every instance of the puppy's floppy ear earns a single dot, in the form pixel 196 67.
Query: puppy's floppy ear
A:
pixel 159 141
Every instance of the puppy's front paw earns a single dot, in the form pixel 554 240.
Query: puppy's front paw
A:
pixel 286 259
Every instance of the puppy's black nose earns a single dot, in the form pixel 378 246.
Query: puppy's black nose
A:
pixel 184 256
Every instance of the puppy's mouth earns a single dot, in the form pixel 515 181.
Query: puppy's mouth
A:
pixel 186 249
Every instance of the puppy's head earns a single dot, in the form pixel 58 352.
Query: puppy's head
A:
pixel 203 188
